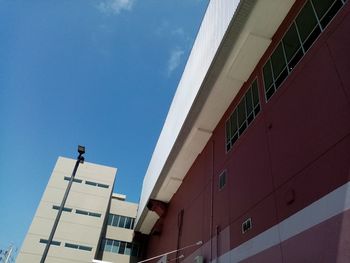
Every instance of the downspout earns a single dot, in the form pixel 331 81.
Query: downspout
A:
pixel 180 217
pixel 212 203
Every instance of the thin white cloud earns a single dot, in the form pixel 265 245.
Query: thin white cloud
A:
pixel 115 6
pixel 174 60
pixel 178 32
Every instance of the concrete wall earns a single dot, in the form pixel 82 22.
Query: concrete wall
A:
pixel 73 228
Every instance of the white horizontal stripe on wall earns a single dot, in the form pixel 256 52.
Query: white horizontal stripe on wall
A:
pixel 321 210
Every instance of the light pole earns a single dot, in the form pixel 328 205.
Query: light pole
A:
pixel 80 159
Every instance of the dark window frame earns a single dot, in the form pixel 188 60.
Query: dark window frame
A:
pixel 306 42
pixel 231 137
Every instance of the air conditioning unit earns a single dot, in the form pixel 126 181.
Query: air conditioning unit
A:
pixel 198 259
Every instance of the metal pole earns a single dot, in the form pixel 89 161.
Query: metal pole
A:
pixel 198 243
pixel 8 254
pixel 80 159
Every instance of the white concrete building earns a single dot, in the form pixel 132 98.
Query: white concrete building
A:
pixel 83 223
pixel 118 245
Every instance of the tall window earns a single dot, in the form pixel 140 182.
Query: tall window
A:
pixel 243 115
pixel 302 33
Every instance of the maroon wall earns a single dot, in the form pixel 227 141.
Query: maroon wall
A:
pixel 295 151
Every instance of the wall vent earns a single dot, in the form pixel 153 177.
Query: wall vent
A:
pixel 222 179
pixel 247 225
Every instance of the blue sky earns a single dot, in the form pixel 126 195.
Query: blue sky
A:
pixel 101 73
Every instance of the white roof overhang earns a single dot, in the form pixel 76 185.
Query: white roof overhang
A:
pixel 232 38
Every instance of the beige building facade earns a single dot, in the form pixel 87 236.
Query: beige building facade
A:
pixel 84 227
pixel 117 244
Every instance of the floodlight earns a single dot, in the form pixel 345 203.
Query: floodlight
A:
pixel 81 149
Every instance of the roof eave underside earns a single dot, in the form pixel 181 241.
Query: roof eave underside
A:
pixel 213 75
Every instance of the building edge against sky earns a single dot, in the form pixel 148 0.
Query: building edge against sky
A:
pixel 253 158
pixel 92 217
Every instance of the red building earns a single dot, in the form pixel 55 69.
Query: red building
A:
pixel 254 157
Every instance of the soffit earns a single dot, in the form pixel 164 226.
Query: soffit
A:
pixel 245 41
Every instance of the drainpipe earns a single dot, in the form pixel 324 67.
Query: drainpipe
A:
pixel 212 203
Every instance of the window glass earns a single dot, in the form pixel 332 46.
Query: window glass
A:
pixel 122 221
pixel 249 101
pixel 322 7
pixel 74 179
pixel 128 222
pixel 115 248
pixel 228 146
pixel 81 212
pixel 331 13
pixel 127 249
pixel 255 92
pixel 90 183
pixel 233 121
pixel 71 245
pixel 94 214
pixel 307 26
pixel 269 93
pixel 116 220
pixel 306 21
pixel 278 61
pixel 132 223
pixel 108 246
pixel 110 218
pixel 291 42
pixel 102 185
pixel 53 242
pixel 85 248
pixel 122 247
pixel 228 135
pixel 267 75
pixel 241 113
pixel 65 209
